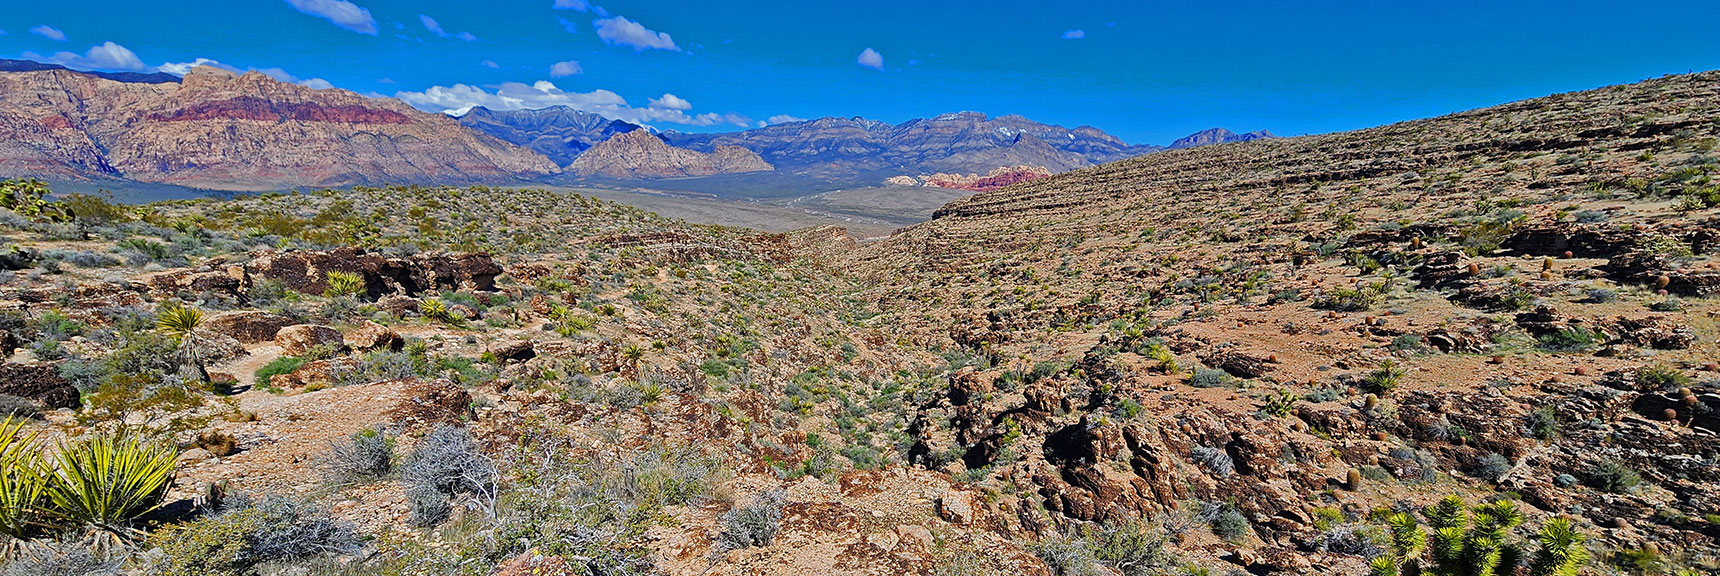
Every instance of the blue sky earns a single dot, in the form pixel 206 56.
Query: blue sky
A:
pixel 1148 72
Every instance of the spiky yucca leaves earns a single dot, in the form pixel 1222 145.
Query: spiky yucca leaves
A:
pixel 1383 565
pixel 1561 550
pixel 179 322
pixel 1407 543
pixel 434 309
pixel 106 480
pixel 20 479
pixel 344 283
pixel 1459 549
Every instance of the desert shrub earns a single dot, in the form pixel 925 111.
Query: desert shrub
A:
pixel 218 443
pixel 1542 424
pixel 276 367
pixel 1226 521
pixel 1491 467
pixel 1670 304
pixel 1353 299
pixel 1570 339
pixel 60 558
pixel 1066 555
pixel 753 525
pixel 367 455
pixel 449 462
pixel 1210 378
pixel 1383 379
pixel 1351 540
pixel 1214 459
pixel 248 533
pixel 1471 540
pixel 105 480
pixel 1613 476
pixel 1661 378
pixel 1601 296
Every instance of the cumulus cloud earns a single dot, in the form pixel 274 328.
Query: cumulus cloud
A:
pixel 1074 34
pixel 342 13
pixel 783 119
pixel 671 102
pixel 490 64
pixel 467 36
pixel 871 59
pixel 459 98
pixel 580 5
pixel 619 31
pixel 49 32
pixel 107 56
pixel 568 68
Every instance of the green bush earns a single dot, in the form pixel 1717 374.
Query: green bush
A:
pixel 278 366
pixel 1661 378
pixel 1570 339
pixel 1613 476
pixel 1383 379
pixel 246 534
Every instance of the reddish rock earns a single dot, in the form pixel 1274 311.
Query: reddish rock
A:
pixel 430 402
pixel 247 326
pixel 373 336
pixel 297 339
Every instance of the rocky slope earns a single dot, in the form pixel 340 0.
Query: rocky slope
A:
pixel 967 142
pixel 558 132
pixel 219 130
pixel 641 155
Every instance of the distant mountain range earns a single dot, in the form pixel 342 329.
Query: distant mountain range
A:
pixel 216 129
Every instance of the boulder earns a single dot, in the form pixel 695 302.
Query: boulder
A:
pixel 247 326
pixel 515 351
pixel 39 383
pixel 297 339
pixel 431 402
pixel 373 336
pixel 307 270
pixel 320 374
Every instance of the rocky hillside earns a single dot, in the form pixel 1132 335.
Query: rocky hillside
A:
pixel 1514 302
pixel 219 130
pixel 641 155
pixel 968 142
pixel 558 132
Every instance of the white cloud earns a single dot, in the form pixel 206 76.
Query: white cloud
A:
pixel 568 68
pixel 490 64
pixel 183 68
pixel 433 26
pixel 620 31
pixel 580 5
pixel 436 28
pixel 1074 34
pixel 49 32
pixel 108 56
pixel 459 98
pixel 784 119
pixel 282 75
pixel 342 13
pixel 871 59
pixel 671 102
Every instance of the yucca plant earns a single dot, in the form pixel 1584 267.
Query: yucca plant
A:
pixel 344 283
pixel 435 309
pixel 106 480
pixel 1461 549
pixel 182 324
pixel 21 479
pixel 1561 552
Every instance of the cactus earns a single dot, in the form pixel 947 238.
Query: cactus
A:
pixel 1354 479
